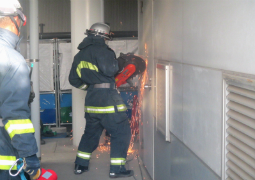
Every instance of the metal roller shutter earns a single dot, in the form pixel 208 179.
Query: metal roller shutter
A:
pixel 240 133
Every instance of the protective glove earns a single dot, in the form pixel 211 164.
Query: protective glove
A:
pixel 32 94
pixel 32 166
pixel 31 98
pixel 121 62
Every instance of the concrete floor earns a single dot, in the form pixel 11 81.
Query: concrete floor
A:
pixel 59 154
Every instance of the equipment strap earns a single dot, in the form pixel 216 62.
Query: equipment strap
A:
pixel 105 85
pixel 20 170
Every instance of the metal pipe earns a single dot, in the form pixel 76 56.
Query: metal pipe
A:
pixel 58 35
pixel 41 27
pixel 58 83
pixel 118 34
pixel 67 35
pixel 55 79
pixel 34 54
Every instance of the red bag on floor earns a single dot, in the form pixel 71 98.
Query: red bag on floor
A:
pixel 48 175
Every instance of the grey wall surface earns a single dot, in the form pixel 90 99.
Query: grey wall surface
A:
pixel 216 34
pixel 56 15
pixel 182 164
pixel 147 97
pixel 121 14
pixel 200 39
pixel 24 29
pixel 202 114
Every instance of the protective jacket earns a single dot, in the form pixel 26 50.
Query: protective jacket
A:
pixel 16 132
pixel 96 64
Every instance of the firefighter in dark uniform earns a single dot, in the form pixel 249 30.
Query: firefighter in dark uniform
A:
pixel 93 69
pixel 16 129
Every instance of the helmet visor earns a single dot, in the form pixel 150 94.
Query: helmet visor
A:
pixel 96 33
pixel 22 17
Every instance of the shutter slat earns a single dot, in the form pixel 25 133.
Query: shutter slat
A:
pixel 241 91
pixel 233 175
pixel 242 100
pixel 241 164
pixel 240 145
pixel 239 171
pixel 241 118
pixel 241 127
pixel 240 154
pixel 240 132
pixel 241 137
pixel 241 109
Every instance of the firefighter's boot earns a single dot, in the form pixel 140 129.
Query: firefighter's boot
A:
pixel 78 169
pixel 124 174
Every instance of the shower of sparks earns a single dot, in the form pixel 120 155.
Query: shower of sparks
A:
pixel 104 147
pixel 136 115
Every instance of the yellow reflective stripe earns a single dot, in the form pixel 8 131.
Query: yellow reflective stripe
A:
pixel 121 107
pixel 99 110
pixel 6 162
pixel 87 65
pixel 83 155
pixel 20 126
pixel 118 161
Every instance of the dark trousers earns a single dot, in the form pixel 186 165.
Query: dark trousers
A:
pixel 6 149
pixel 4 175
pixel 117 125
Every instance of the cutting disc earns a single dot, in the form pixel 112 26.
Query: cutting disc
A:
pixel 136 60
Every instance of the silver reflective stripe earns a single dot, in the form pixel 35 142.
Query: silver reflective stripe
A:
pixel 118 161
pixel 121 107
pixel 99 110
pixel 1 123
pixel 83 155
pixel 83 87
pixel 102 85
pixel 6 162
pixel 19 127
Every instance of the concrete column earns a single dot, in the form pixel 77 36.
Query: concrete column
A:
pixel 83 14
pixel 34 56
